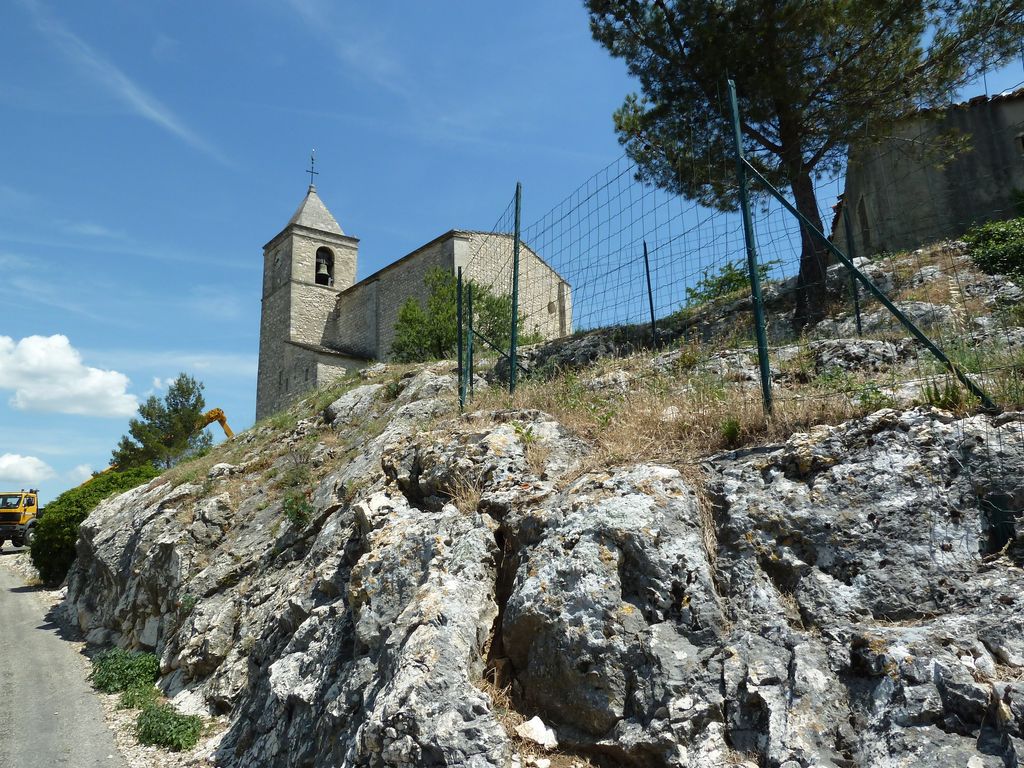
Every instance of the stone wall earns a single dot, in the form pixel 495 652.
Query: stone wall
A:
pixel 274 323
pixel 898 197
pixel 545 299
pixel 352 325
pixel 303 256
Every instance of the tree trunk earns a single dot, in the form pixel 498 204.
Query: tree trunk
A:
pixel 810 284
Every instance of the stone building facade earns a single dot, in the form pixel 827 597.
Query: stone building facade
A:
pixel 899 195
pixel 317 322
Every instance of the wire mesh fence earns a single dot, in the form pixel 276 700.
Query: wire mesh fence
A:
pixel 635 266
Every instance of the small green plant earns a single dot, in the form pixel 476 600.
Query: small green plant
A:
pixel 872 398
pixel 731 432
pixel 297 508
pixel 118 670
pixel 731 281
pixel 997 248
pixel 187 603
pixel 163 726
pixel 393 389
pixel 138 698
pixel 946 394
pixel 524 433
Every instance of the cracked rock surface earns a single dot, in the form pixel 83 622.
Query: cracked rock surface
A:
pixel 852 597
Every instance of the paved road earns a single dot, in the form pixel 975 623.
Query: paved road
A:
pixel 48 713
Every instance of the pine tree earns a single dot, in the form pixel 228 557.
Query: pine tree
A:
pixel 812 77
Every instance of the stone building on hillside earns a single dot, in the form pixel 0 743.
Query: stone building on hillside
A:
pixel 317 322
pixel 899 196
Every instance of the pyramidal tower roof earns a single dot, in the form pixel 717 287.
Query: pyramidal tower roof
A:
pixel 313 213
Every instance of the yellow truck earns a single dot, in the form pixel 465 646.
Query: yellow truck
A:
pixel 19 514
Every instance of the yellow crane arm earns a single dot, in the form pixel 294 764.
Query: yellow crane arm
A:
pixel 215 414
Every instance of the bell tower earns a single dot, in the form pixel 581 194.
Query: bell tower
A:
pixel 305 266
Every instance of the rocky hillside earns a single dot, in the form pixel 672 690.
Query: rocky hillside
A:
pixel 373 579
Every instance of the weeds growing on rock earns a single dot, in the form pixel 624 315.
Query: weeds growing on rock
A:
pixel 118 670
pixel 138 698
pixel 163 726
pixel 297 508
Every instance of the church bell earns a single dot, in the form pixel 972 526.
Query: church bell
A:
pixel 321 269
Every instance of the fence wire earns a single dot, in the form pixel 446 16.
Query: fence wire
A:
pixel 618 251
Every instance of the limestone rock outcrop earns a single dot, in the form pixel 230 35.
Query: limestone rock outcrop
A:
pixel 851 597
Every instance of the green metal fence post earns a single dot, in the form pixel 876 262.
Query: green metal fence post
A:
pixel 748 236
pixel 853 278
pixel 875 291
pixel 459 342
pixel 469 339
pixel 650 298
pixel 512 358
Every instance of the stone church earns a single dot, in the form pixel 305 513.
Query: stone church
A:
pixel 317 322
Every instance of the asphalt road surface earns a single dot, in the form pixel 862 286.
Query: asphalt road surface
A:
pixel 49 715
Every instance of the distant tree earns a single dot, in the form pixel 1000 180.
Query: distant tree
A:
pixel 165 431
pixel 431 332
pixel 812 78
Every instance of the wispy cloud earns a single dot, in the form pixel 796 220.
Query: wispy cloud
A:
pixel 116 82
pixel 364 53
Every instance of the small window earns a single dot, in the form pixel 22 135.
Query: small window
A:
pixel 1019 141
pixel 552 307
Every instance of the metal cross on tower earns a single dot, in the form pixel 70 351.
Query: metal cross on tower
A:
pixel 312 165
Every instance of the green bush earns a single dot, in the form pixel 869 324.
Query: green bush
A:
pixel 138 698
pixel 732 280
pixel 53 548
pixel 119 670
pixel 997 248
pixel 163 726
pixel 297 508
pixel 430 332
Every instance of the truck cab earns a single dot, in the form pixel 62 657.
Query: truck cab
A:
pixel 19 514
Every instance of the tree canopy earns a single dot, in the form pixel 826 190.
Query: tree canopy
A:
pixel 431 332
pixel 165 430
pixel 812 78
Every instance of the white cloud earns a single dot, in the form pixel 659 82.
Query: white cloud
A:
pixel 80 474
pixel 47 374
pixel 23 470
pixel 115 81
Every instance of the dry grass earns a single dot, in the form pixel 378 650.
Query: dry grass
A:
pixel 510 718
pixel 465 495
pixel 672 421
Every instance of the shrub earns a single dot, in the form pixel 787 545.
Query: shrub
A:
pixel 731 431
pixel 119 670
pixel 53 549
pixel 138 698
pixel 997 248
pixel 163 726
pixel 430 332
pixel 731 280
pixel 298 509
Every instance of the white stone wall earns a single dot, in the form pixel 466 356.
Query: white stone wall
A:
pixel 353 325
pixel 545 299
pixel 304 245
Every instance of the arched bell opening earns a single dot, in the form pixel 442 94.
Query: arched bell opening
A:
pixel 324 267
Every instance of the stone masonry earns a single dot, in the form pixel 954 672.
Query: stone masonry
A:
pixel 313 329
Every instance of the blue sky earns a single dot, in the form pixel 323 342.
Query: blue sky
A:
pixel 150 150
